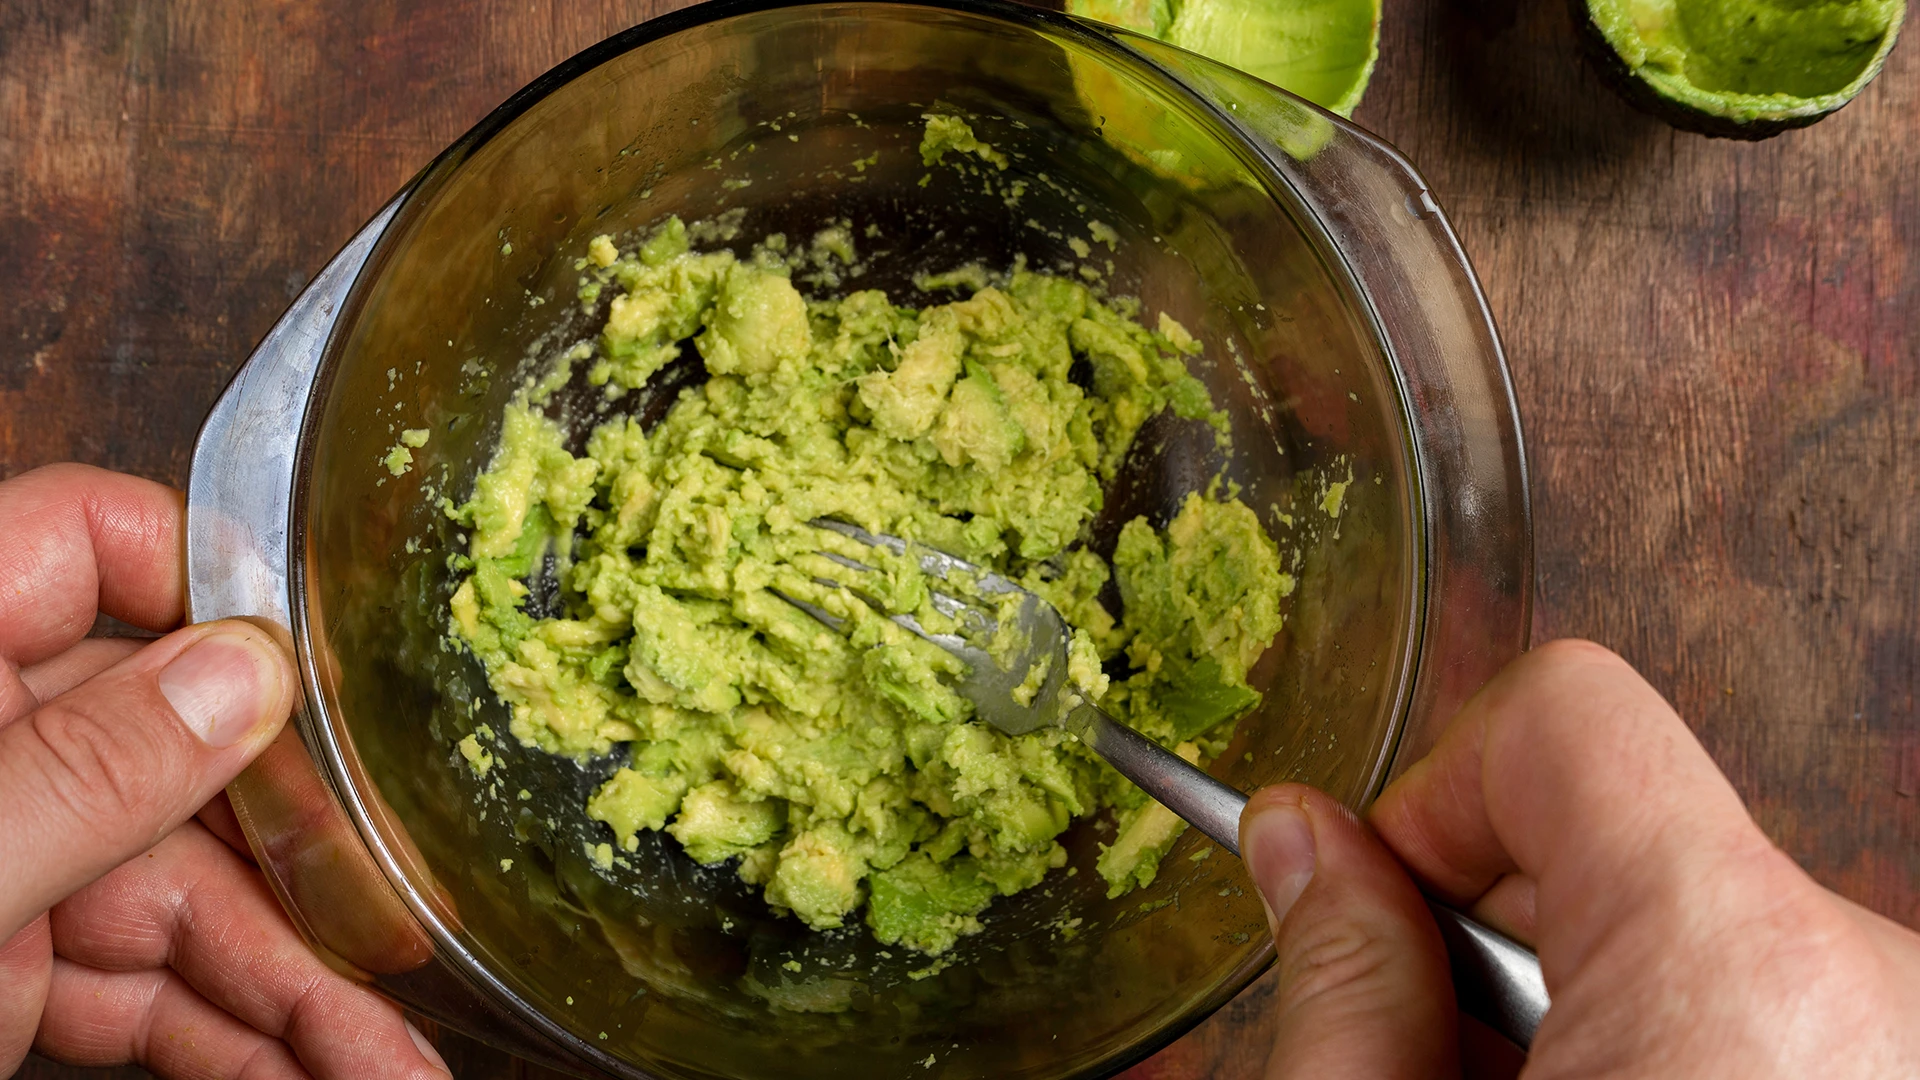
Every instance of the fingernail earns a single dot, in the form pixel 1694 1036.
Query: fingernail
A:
pixel 1278 849
pixel 223 685
pixel 426 1048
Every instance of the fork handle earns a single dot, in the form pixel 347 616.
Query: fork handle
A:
pixel 1495 979
pixel 1205 803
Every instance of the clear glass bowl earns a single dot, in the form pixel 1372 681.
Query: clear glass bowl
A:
pixel 1344 333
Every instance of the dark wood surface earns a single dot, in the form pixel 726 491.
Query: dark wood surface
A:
pixel 1714 343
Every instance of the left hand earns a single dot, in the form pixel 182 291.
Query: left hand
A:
pixel 128 931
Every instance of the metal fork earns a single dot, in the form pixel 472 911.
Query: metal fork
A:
pixel 1496 979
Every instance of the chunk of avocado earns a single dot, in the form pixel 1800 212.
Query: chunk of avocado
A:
pixel 976 425
pixel 1738 69
pixel 927 906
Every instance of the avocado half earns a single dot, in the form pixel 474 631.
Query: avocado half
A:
pixel 1739 69
pixel 1322 50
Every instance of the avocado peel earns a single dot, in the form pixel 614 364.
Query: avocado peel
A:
pixel 1738 69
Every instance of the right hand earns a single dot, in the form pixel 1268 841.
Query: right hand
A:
pixel 1570 807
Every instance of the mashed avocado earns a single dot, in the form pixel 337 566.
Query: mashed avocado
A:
pixel 838 767
pixel 946 133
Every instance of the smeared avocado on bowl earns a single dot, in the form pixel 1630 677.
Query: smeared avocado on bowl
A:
pixel 1739 69
pixel 1322 50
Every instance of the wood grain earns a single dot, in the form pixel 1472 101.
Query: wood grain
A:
pixel 1714 343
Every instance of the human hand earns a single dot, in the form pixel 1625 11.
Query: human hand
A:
pixel 128 932
pixel 1570 807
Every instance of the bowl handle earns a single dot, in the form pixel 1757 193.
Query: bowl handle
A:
pixel 240 488
pixel 239 512
pixel 239 499
pixel 1392 240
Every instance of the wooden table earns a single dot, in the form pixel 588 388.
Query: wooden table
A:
pixel 1715 343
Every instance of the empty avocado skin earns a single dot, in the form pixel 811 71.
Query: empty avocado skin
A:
pixel 839 767
pixel 1782 66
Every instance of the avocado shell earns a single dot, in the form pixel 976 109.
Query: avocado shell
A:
pixel 1638 92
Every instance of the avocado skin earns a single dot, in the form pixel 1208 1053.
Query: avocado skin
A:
pixel 1621 80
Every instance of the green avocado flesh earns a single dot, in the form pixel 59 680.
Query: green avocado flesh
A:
pixel 839 768
pixel 1724 65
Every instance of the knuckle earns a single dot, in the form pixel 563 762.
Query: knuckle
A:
pixel 269 1060
pixel 1336 961
pixel 1574 653
pixel 313 1004
pixel 100 769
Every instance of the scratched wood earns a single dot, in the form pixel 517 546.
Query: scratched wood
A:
pixel 1714 344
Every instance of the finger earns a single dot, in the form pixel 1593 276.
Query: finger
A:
pixel 56 675
pixel 153 1019
pixel 1434 818
pixel 102 772
pixel 1508 907
pixel 16 698
pixel 26 963
pixel 1571 769
pixel 76 541
pixel 21 692
pixel 194 906
pixel 1364 985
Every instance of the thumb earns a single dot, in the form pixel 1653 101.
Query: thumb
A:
pixel 100 773
pixel 1364 988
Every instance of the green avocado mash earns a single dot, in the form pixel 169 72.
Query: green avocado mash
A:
pixel 839 767
pixel 946 133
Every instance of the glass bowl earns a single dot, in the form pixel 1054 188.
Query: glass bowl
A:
pixel 1375 434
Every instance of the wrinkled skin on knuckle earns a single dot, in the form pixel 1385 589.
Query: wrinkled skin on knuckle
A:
pixel 136 915
pixel 98 766
pixel 272 1061
pixel 1337 962
pixel 60 519
pixel 313 1005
